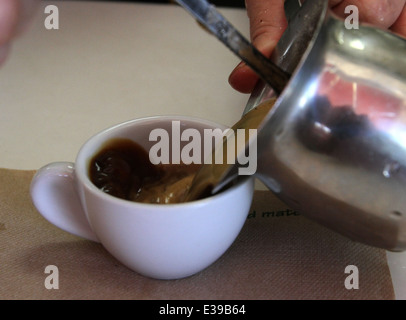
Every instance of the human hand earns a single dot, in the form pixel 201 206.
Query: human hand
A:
pixel 14 18
pixel 268 22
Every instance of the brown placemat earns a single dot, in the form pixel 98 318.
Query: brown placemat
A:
pixel 279 254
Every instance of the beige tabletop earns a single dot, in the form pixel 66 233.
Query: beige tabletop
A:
pixel 111 62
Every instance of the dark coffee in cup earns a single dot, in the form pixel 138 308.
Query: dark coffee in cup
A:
pixel 122 168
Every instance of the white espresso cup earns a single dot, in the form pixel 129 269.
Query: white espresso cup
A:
pixel 162 241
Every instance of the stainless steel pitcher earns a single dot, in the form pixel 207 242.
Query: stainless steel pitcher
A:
pixel 334 145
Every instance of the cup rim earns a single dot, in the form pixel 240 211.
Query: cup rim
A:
pixel 81 164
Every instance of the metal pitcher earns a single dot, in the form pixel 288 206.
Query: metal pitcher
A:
pixel 334 145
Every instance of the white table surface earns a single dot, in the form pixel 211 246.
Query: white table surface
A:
pixel 111 62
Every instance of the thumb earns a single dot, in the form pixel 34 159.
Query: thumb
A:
pixel 267 24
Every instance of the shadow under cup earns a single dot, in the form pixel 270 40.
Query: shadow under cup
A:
pixel 163 241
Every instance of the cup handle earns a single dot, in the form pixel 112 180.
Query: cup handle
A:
pixel 54 194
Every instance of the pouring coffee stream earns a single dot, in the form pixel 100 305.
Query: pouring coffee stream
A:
pixel 211 177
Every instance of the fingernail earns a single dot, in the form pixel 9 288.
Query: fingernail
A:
pixel 242 64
